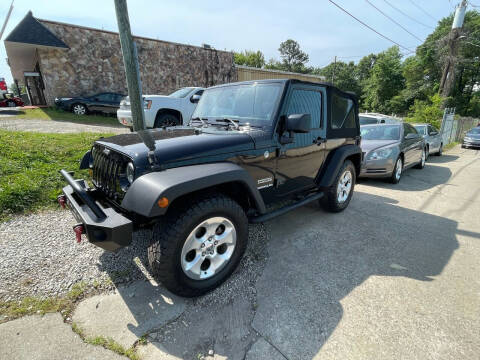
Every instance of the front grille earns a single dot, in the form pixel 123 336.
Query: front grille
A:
pixel 108 168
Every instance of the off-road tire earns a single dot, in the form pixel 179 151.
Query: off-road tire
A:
pixel 423 160
pixel 330 202
pixel 163 120
pixel 393 179
pixel 170 234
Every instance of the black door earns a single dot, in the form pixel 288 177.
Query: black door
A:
pixel 298 163
pixel 103 102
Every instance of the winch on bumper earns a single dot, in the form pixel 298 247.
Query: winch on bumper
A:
pixel 103 226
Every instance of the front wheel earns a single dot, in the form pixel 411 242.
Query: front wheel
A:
pixel 338 195
pixel 196 247
pixel 79 109
pixel 166 120
pixel 397 171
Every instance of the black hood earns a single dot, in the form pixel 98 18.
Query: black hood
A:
pixel 180 143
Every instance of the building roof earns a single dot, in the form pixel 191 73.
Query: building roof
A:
pixel 31 31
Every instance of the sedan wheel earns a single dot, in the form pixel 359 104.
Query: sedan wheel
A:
pixel 421 164
pixel 79 109
pixel 397 171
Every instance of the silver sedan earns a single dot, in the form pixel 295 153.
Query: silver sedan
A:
pixel 390 149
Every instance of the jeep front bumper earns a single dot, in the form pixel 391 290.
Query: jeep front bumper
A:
pixel 102 225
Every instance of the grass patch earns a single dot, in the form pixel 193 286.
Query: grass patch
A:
pixel 107 343
pixel 451 145
pixel 30 164
pixel 60 115
pixel 31 305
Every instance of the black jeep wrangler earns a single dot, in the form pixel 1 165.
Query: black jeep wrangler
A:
pixel 250 146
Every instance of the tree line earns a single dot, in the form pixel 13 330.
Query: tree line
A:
pixel 389 82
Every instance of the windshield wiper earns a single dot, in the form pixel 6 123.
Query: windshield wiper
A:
pixel 202 120
pixel 229 121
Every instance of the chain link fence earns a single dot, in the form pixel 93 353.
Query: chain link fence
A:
pixel 454 128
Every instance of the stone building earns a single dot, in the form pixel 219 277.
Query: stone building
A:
pixel 55 59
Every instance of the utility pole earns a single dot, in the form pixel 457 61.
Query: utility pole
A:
pixel 130 61
pixel 6 20
pixel 448 76
pixel 334 68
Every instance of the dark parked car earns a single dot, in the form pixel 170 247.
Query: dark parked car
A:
pixel 107 103
pixel 472 138
pixel 390 149
pixel 254 150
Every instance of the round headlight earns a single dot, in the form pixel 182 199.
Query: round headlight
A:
pixel 130 172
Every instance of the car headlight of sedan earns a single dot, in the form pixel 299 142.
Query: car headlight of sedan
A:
pixel 130 172
pixel 380 154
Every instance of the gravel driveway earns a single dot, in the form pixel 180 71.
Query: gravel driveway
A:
pixel 54 126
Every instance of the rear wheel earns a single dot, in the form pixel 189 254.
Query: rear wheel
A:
pixel 163 120
pixel 397 171
pixel 421 164
pixel 338 196
pixel 440 150
pixel 196 247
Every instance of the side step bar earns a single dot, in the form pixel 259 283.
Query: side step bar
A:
pixel 283 210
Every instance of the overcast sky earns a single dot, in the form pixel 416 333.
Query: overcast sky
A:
pixel 322 29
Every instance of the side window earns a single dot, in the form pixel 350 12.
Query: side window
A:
pixel 409 129
pixel 343 113
pixel 199 92
pixel 306 102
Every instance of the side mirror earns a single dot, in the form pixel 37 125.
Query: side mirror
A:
pixel 411 136
pixel 195 98
pixel 299 123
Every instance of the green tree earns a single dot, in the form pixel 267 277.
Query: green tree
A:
pixel 385 82
pixel 249 58
pixel 427 111
pixel 293 59
pixel 345 76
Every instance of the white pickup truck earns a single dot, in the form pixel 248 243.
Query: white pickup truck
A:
pixel 164 110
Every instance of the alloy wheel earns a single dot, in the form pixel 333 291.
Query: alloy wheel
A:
pixel 79 109
pixel 344 186
pixel 398 169
pixel 424 157
pixel 208 248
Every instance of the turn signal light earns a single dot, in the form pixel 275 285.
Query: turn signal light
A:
pixel 162 202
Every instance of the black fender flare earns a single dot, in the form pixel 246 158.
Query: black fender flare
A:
pixel 144 193
pixel 335 160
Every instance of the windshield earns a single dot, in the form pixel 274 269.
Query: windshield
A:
pixel 420 128
pixel 384 132
pixel 367 120
pixel 181 93
pixel 254 103
pixel 474 131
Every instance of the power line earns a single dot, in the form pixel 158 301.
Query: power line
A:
pixel 394 21
pixel 421 9
pixel 368 26
pixel 405 14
